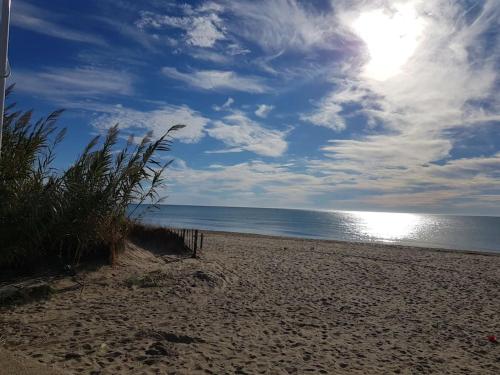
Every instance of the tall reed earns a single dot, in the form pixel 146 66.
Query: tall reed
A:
pixel 62 216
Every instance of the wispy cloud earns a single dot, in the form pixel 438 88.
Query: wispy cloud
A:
pixel 218 80
pixel 253 183
pixel 263 110
pixel 70 86
pixel 235 130
pixel 257 183
pixel 242 134
pixel 131 33
pixel 397 183
pixel 227 104
pixel 203 27
pixel 209 55
pixel 158 121
pixel 284 25
pixel 331 110
pixel 35 19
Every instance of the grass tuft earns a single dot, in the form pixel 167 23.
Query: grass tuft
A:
pixel 150 280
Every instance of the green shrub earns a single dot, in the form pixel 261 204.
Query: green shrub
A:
pixel 46 215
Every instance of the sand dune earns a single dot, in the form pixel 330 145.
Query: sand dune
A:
pixel 268 305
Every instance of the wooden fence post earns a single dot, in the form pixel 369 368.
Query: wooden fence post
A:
pixel 201 241
pixel 195 238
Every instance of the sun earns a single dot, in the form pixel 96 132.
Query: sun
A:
pixel 390 37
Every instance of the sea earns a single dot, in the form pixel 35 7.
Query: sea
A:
pixel 475 233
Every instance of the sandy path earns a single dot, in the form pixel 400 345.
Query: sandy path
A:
pixel 256 304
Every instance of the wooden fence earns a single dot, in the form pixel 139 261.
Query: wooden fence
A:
pixel 192 238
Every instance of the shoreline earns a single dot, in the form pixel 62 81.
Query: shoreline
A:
pixel 372 243
pixel 258 304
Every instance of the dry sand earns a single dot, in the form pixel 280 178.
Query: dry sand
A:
pixel 18 364
pixel 268 305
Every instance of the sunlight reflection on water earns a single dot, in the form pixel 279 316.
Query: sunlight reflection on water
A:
pixel 387 225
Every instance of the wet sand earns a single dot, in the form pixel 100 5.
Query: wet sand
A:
pixel 268 305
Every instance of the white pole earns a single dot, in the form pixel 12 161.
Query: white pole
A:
pixel 4 44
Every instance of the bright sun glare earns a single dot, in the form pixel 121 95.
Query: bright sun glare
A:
pixel 391 38
pixel 386 225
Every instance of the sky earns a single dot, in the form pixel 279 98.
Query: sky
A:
pixel 374 105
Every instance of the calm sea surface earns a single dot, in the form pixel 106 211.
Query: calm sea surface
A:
pixel 445 231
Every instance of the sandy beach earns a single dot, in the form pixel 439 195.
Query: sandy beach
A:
pixel 268 305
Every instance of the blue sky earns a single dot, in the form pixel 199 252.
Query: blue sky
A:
pixel 351 105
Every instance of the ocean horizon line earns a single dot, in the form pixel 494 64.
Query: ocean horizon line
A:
pixel 332 210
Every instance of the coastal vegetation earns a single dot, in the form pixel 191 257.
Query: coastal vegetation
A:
pixel 63 216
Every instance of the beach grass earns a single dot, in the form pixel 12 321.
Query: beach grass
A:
pixel 63 216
